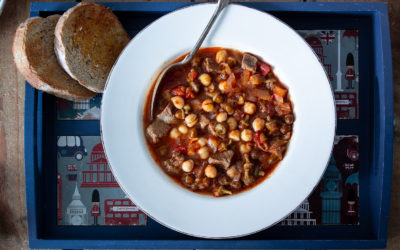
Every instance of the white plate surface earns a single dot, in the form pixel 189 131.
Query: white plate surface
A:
pixel 247 30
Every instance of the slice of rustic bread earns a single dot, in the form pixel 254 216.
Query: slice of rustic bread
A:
pixel 88 40
pixel 34 56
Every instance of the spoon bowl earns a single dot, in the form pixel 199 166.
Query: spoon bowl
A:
pixel 220 6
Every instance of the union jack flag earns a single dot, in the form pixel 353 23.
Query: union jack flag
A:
pixel 327 36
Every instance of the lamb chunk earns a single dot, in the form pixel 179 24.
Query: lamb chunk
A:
pixel 277 148
pixel 173 165
pixel 249 62
pixel 156 130
pixel 223 159
pixel 166 115
pixel 210 66
pixel 204 121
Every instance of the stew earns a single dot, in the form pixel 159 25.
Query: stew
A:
pixel 223 122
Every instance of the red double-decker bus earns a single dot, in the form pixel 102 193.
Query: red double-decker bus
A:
pixel 346 103
pixel 121 212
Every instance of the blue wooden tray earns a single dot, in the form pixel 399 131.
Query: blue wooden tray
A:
pixel 374 129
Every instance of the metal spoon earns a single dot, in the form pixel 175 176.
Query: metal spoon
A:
pixel 221 5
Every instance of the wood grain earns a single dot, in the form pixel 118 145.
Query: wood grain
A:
pixel 13 227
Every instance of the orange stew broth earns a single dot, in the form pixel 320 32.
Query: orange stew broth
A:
pixel 266 152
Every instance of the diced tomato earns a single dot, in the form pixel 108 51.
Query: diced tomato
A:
pixel 265 69
pixel 180 149
pixel 179 91
pixel 279 93
pixel 192 75
pixel 190 94
pixel 257 137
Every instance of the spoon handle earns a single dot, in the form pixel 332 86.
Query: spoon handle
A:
pixel 221 5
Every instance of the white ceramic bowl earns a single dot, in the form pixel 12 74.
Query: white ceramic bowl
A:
pixel 247 30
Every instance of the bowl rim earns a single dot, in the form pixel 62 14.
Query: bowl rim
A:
pixel 156 75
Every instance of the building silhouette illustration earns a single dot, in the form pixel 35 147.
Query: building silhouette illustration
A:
pixel 331 194
pixel 99 174
pixel 301 216
pixel 76 211
pixel 316 45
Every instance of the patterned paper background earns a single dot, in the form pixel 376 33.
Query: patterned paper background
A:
pixel 87 191
pixel 89 195
pixel 337 51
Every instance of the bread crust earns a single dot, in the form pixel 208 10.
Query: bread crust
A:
pixel 69 30
pixel 26 60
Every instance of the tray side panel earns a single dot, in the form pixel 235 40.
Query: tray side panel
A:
pixel 155 236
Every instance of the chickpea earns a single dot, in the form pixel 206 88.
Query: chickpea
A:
pixel 231 61
pixel 191 120
pixel 187 108
pixel 174 133
pixel 229 109
pixel 183 129
pixel 246 135
pixel 210 88
pixel 202 141
pixel 232 123
pixel 232 172
pixel 187 166
pixel 210 171
pixel 178 102
pixel 218 99
pixel 193 133
pixel 258 124
pixel 249 108
pixel 221 117
pixel 205 79
pixel 221 56
pixel 208 105
pixel 234 135
pixel 220 129
pixel 203 153
pixel 245 148
pixel 223 86
pixel 241 100
pixel 180 114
